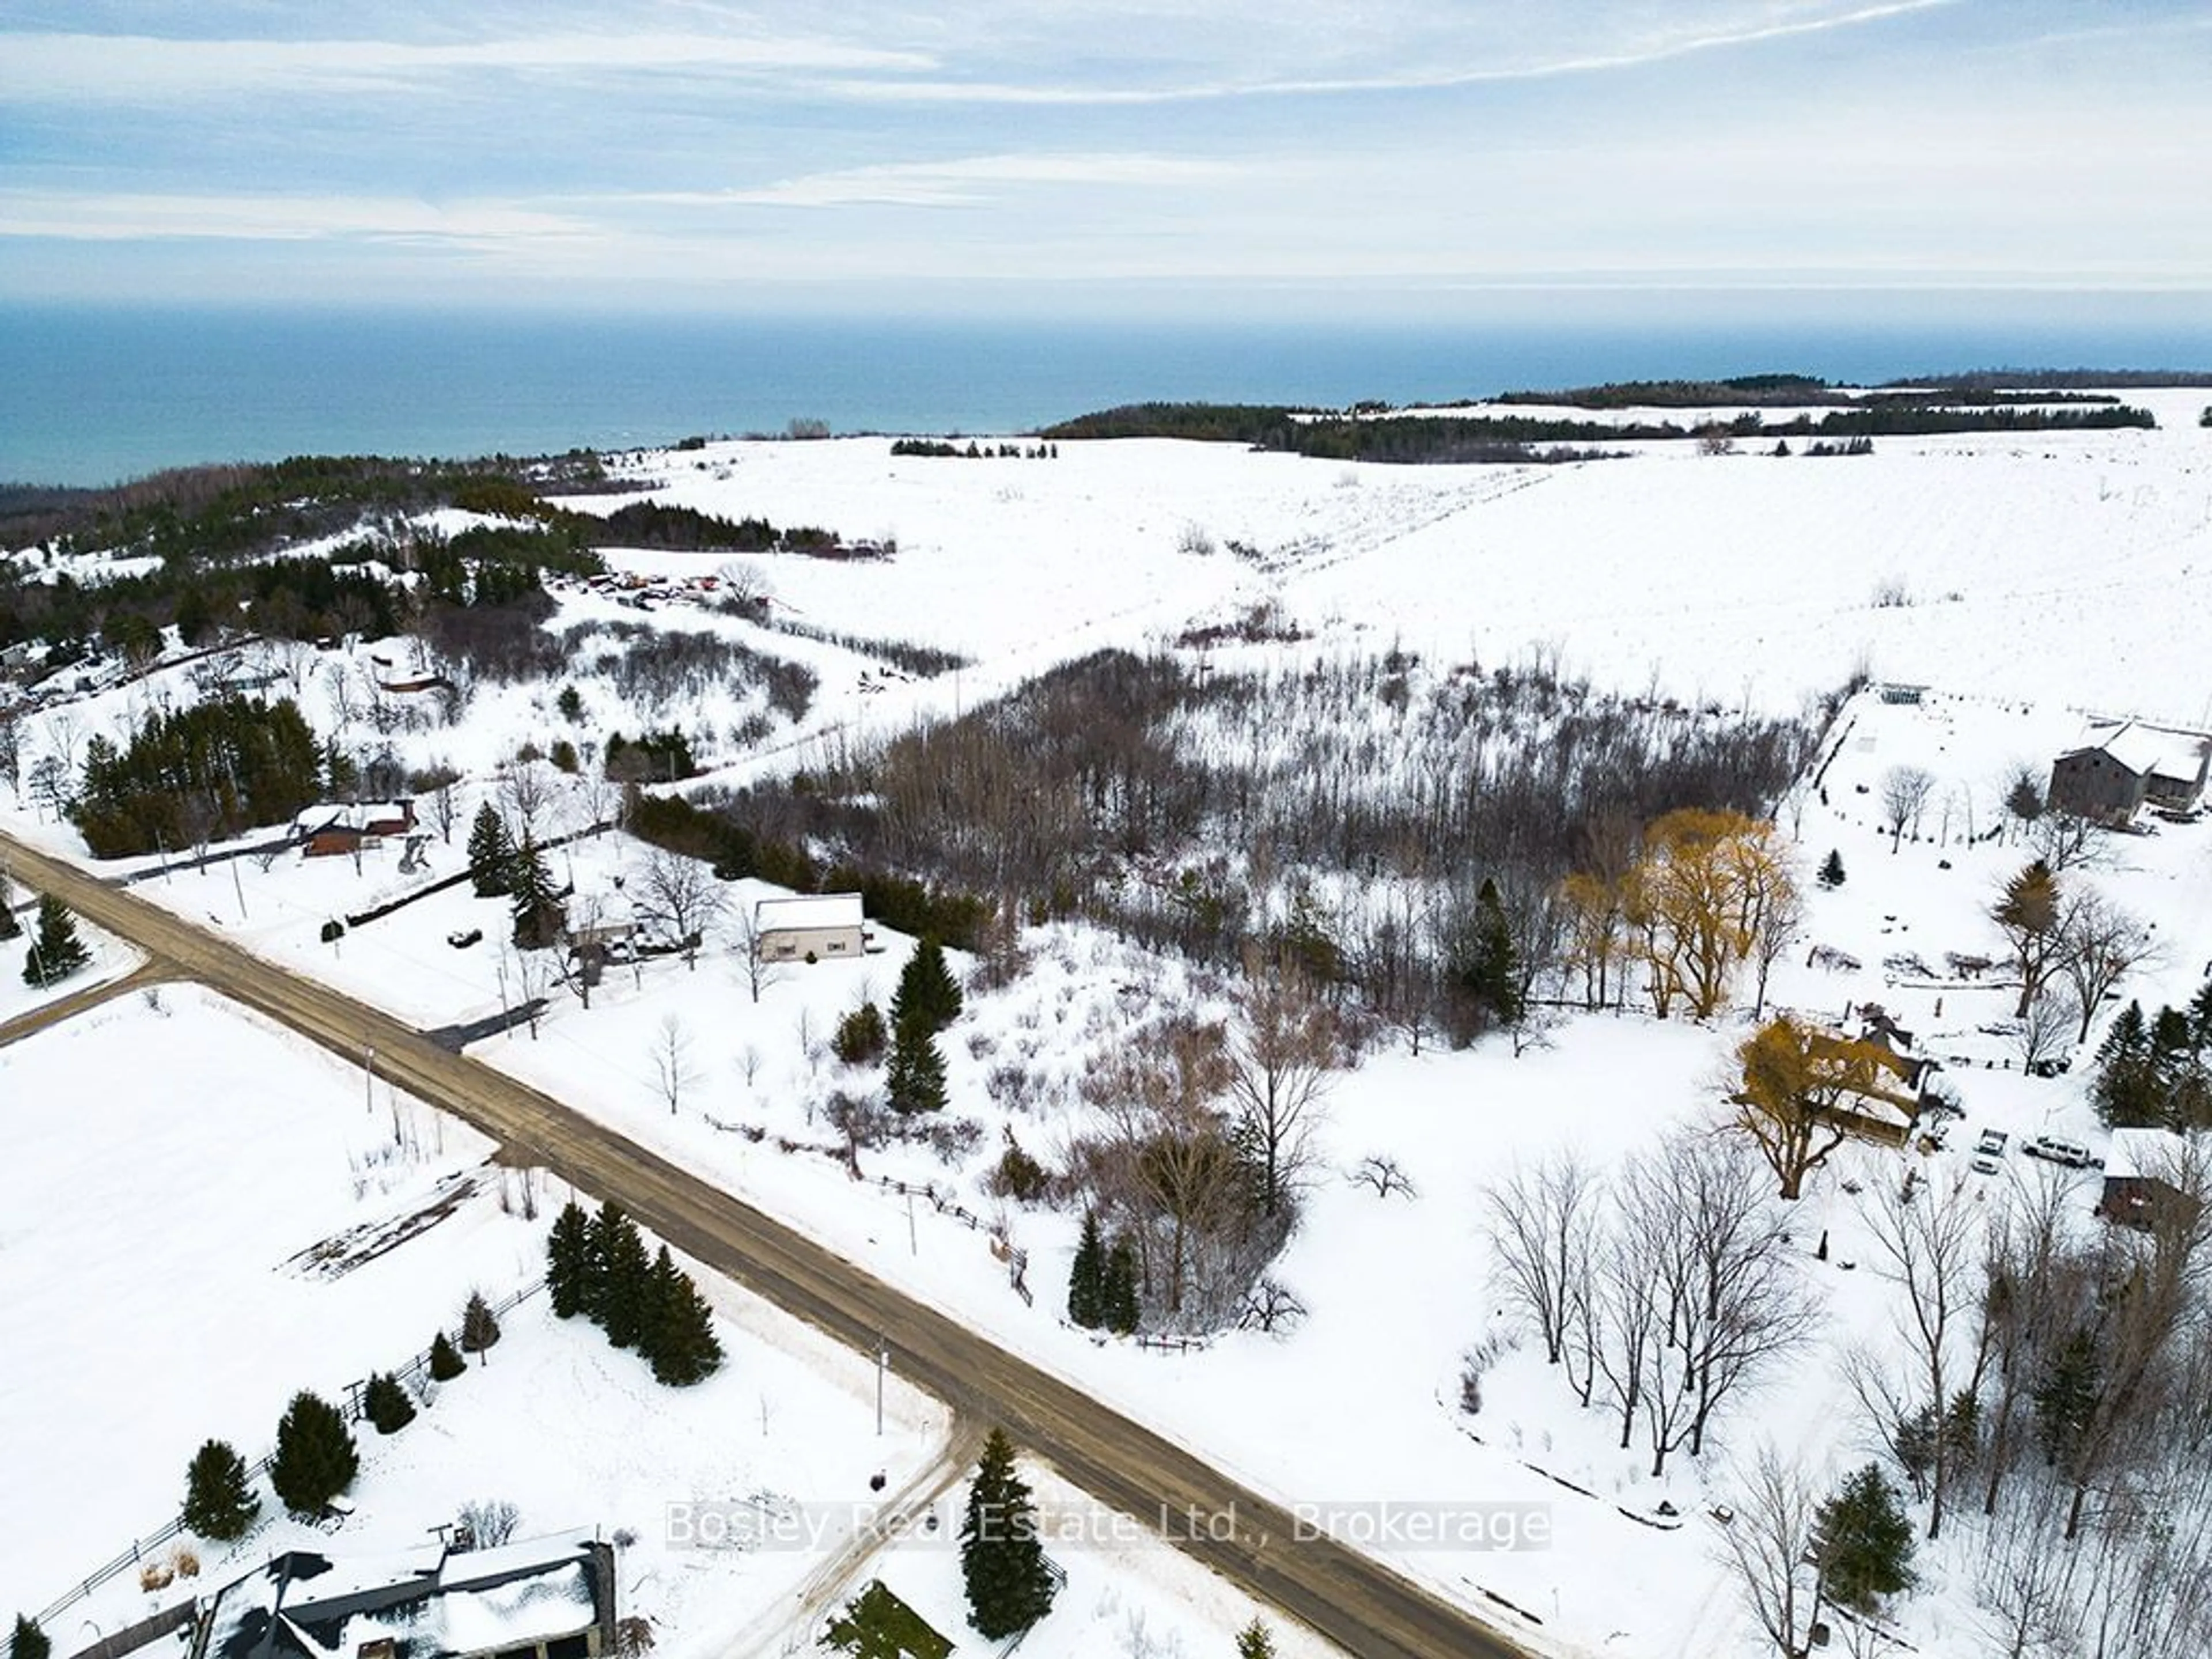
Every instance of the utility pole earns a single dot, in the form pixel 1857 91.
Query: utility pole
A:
pixel 882 1364
pixel 368 1078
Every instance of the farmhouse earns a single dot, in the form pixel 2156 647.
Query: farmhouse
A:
pixel 2140 1175
pixel 2121 766
pixel 794 929
pixel 337 827
pixel 552 1598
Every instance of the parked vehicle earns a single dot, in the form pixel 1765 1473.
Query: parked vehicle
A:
pixel 2071 1153
pixel 1992 1143
pixel 461 940
pixel 1985 1165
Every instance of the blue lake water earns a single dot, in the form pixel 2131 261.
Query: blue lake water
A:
pixel 90 396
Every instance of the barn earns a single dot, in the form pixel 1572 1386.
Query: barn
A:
pixel 2121 766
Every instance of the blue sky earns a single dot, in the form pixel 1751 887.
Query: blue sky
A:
pixel 1406 156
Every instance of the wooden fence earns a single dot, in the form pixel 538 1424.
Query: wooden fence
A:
pixel 141 1548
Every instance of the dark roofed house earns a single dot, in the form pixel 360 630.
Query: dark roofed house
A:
pixel 334 828
pixel 551 1598
pixel 2141 1173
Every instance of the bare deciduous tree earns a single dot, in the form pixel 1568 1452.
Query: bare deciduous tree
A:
pixel 761 970
pixel 1543 1223
pixel 2104 944
pixel 1928 1234
pixel 1768 1543
pixel 671 1061
pixel 1280 1069
pixel 682 895
pixel 1383 1175
pixel 526 790
pixel 2065 841
pixel 2042 1029
pixel 435 784
pixel 1165 1163
pixel 1904 791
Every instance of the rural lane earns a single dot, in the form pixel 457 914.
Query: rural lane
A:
pixel 1366 1608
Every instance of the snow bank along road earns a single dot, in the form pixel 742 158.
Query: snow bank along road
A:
pixel 1362 1605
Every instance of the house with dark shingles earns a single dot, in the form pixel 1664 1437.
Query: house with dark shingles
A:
pixel 337 827
pixel 2122 766
pixel 2141 1172
pixel 551 1598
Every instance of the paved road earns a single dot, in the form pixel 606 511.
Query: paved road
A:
pixel 69 1007
pixel 1364 1608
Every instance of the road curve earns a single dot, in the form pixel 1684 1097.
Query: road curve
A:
pixel 1364 1608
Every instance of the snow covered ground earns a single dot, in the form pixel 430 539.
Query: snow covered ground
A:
pixel 2060 567
pixel 2023 579
pixel 179 1257
pixel 111 960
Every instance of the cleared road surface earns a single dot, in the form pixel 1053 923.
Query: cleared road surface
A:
pixel 1358 1603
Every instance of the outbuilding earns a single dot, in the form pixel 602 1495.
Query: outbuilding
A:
pixel 810 929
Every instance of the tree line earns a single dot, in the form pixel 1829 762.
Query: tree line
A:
pixel 207 772
pixel 1443 439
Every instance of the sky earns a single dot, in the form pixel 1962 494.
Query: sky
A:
pixel 1410 156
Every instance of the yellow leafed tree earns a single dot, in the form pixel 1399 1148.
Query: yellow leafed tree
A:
pixel 1802 1092
pixel 1693 902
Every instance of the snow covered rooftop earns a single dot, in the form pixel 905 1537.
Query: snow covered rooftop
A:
pixel 821 911
pixel 303 1605
pixel 350 814
pixel 2149 751
pixel 2135 1152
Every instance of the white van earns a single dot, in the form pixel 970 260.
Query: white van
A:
pixel 2072 1153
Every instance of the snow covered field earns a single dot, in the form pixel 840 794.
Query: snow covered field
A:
pixel 2056 566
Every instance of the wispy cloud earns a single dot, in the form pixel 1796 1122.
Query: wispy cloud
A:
pixel 139 217
pixel 1412 76
pixel 963 183
pixel 122 69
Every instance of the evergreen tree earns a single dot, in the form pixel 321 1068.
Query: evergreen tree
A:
pixel 219 1500
pixel 1491 974
pixel 625 1272
pixel 1832 869
pixel 1010 1585
pixel 861 1035
pixel 242 763
pixel 1255 1642
pixel 684 1348
pixel 445 1361
pixel 2024 800
pixel 1865 1543
pixel 568 1262
pixel 2126 1090
pixel 479 1326
pixel 1086 1280
pixel 491 854
pixel 56 951
pixel 927 993
pixel 537 916
pixel 29 1642
pixel 386 1404
pixel 2066 1394
pixel 9 927
pixel 2200 1017
pixel 315 1456
pixel 1119 1291
pixel 914 1080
